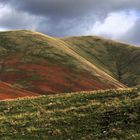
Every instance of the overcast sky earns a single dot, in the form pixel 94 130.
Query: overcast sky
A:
pixel 115 19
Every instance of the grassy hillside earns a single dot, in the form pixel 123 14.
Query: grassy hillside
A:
pixel 43 64
pixel 120 60
pixel 103 115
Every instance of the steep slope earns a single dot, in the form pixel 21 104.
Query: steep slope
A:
pixel 44 64
pixel 9 92
pixel 101 115
pixel 119 60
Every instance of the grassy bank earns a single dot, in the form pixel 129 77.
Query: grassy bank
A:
pixel 103 115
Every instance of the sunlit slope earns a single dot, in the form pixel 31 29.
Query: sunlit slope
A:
pixel 120 60
pixel 44 64
pixel 101 115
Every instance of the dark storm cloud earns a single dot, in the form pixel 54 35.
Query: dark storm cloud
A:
pixel 71 8
pixel 63 17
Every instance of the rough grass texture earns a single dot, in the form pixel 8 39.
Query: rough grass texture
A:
pixel 97 115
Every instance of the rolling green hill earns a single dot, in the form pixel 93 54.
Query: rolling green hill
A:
pixel 39 63
pixel 122 61
pixel 44 64
pixel 95 115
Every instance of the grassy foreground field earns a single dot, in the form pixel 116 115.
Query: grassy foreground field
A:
pixel 103 115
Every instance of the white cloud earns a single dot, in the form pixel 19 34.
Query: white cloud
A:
pixel 11 19
pixel 115 24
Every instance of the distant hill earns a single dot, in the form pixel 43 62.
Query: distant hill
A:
pixel 121 61
pixel 43 64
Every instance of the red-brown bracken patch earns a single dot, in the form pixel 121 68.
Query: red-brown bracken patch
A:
pixel 48 78
pixel 9 92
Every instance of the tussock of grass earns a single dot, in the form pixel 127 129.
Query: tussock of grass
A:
pixel 104 115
